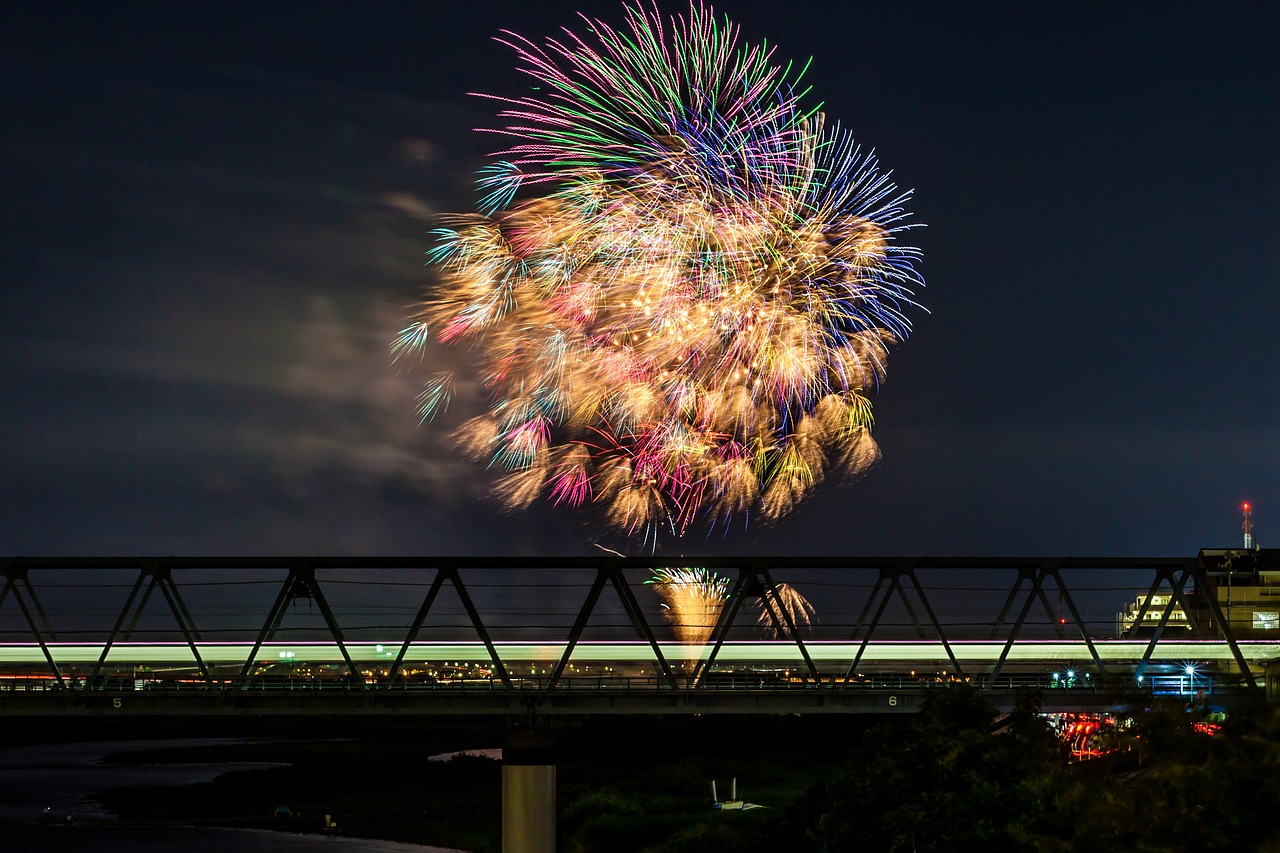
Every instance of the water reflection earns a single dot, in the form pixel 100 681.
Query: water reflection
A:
pixel 46 804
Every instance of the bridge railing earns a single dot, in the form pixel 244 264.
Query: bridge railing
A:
pixel 885 682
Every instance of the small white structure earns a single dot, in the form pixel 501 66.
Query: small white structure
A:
pixel 733 803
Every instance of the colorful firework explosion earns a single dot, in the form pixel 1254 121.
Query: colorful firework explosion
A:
pixel 685 324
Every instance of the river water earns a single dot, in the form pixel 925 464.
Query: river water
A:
pixel 46 805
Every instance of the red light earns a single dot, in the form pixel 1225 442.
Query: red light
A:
pixel 1062 620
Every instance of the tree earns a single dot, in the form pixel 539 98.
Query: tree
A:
pixel 940 780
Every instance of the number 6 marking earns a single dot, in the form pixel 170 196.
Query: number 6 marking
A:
pixel 893 701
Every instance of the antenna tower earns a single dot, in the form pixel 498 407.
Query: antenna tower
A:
pixel 1247 526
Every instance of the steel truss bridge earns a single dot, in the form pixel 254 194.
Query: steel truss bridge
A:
pixel 588 635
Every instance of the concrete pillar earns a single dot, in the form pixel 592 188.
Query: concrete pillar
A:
pixel 528 792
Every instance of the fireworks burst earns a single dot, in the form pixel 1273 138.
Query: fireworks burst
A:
pixel 691 601
pixel 693 598
pixel 684 324
pixel 786 601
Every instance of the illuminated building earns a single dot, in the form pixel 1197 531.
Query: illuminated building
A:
pixel 1246 586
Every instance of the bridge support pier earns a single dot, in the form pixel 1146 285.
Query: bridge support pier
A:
pixel 528 791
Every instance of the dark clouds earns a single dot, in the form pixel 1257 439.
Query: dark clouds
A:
pixel 212 229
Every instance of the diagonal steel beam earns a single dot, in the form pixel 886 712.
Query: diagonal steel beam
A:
pixel 301 583
pixel 1181 598
pixel 115 630
pixel 721 632
pixel 306 571
pixel 35 602
pixel 636 615
pixel 1202 583
pixel 1024 572
pixel 13 575
pixel 1054 619
pixel 181 612
pixel 1164 618
pixel 269 627
pixel 937 626
pixel 451 569
pixel 580 624
pixel 188 632
pixel 416 626
pixel 772 590
pixel 771 607
pixel 895 585
pixel 142 603
pixel 1017 626
pixel 610 573
pixel 1146 601
pixel 871 629
pixel 1053 571
pixel 170 592
pixel 875 590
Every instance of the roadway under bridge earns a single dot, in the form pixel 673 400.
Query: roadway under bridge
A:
pixel 548 636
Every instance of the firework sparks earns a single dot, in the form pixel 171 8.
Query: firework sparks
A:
pixel 691 601
pixel 783 599
pixel 685 324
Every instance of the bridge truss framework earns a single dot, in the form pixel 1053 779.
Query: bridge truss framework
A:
pixel 829 669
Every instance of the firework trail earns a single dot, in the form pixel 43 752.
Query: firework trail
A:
pixel 681 286
pixel 783 599
pixel 691 601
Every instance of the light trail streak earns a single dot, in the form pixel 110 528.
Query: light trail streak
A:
pixel 782 652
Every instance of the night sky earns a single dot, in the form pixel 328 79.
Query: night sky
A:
pixel 214 221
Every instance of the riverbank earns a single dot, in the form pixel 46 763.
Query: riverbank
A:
pixel 623 783
pixel 54 783
pixel 188 839
pixel 51 799
pixel 370 787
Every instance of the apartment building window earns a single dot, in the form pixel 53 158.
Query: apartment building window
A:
pixel 1266 620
